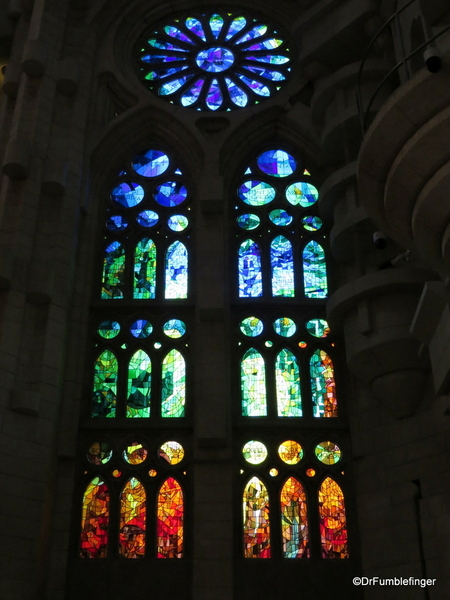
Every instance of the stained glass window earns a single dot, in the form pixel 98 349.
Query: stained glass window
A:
pixel 333 522
pixel 314 271
pixel 132 519
pixel 176 271
pixel 287 383
pixel 294 520
pixel 281 260
pixel 95 520
pixel 253 384
pixel 145 270
pixel 256 520
pixel 173 386
pixel 170 516
pixel 323 387
pixel 139 385
pixel 250 274
pixel 113 271
pixel 105 385
pixel 214 61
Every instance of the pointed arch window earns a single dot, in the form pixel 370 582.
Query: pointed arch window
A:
pixel 253 384
pixel 333 520
pixel 256 520
pixel 95 520
pixel 250 273
pixel 132 519
pixel 294 520
pixel 170 520
pixel 139 385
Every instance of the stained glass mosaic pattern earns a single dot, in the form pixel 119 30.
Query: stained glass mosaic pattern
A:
pixel 328 452
pixel 132 519
pixel 109 329
pixel 117 223
pixel 135 453
pixel 333 522
pixel 250 275
pixel 113 271
pixel 256 520
pixel 141 328
pixel 173 385
pixel 175 328
pixel 139 385
pixel 290 452
pixel 248 221
pixel 256 193
pixel 252 326
pixel 214 61
pixel 253 384
pixel 147 218
pixel 172 452
pixel 170 193
pixel 169 524
pixel 285 327
pixel 95 520
pixel 277 163
pixel 254 452
pixel 294 520
pixel 280 217
pixel 104 394
pixel 287 384
pixel 312 223
pixel 323 386
pixel 176 271
pixel 302 193
pixel 318 328
pixel 128 194
pixel 314 271
pixel 145 270
pixel 150 163
pixel 99 453
pixel 177 222
pixel 282 263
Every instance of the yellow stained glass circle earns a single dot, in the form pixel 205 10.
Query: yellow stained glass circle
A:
pixel 172 451
pixel 290 452
pixel 273 472
pixel 328 453
pixel 310 472
pixel 254 452
pixel 135 453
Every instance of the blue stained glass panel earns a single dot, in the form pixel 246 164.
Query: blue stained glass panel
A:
pixel 147 218
pixel 170 88
pixel 165 45
pixel 267 73
pixel 196 27
pixel 251 326
pixel 145 270
pixel 256 192
pixel 214 99
pixel 215 60
pixel 176 271
pixel 141 328
pixel 287 381
pixel 160 58
pixel 253 384
pixel 164 72
pixel 255 86
pixel 236 26
pixel 117 223
pixel 250 276
pixel 177 222
pixel 176 33
pixel 277 163
pixel 282 263
pixel 274 60
pixel 266 45
pixel 113 272
pixel 255 32
pixel 302 193
pixel 238 96
pixel 314 271
pixel 175 328
pixel 285 327
pixel 150 163
pixel 248 221
pixel 193 93
pixel 216 24
pixel 311 223
pixel 170 193
pixel 280 217
pixel 128 194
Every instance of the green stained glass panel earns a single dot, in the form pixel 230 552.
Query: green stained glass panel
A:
pixel 175 328
pixel 145 270
pixel 105 385
pixel 109 329
pixel 285 327
pixel 173 385
pixel 113 272
pixel 302 193
pixel 251 326
pixel 287 381
pixel 318 328
pixel 139 385
pixel 323 386
pixel 248 221
pixel 314 271
pixel 253 384
pixel 282 267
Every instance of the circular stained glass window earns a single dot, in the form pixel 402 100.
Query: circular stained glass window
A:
pixel 135 453
pixel 302 193
pixel 178 222
pixel 251 326
pixel 147 218
pixel 170 193
pixel 285 327
pixel 108 329
pixel 254 452
pixel 214 61
pixel 311 223
pixel 128 194
pixel 141 328
pixel 256 193
pixel 99 453
pixel 174 328
pixel 290 452
pixel 277 163
pixel 150 163
pixel 173 452
pixel 248 221
pixel 280 217
pixel 328 452
pixel 318 328
pixel 116 223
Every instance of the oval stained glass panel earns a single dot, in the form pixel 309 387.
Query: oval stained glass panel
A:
pixel 215 60
pixel 248 221
pixel 147 218
pixel 319 328
pixel 175 328
pixel 328 453
pixel 277 163
pixel 301 193
pixel 254 452
pixel 280 217
pixel 172 452
pixel 311 223
pixel 290 452
pixel 251 326
pixel 141 328
pixel 135 453
pixel 256 193
pixel 128 194
pixel 150 163
pixel 285 327
pixel 116 223
pixel 108 329
pixel 177 222
pixel 170 193
pixel 99 453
